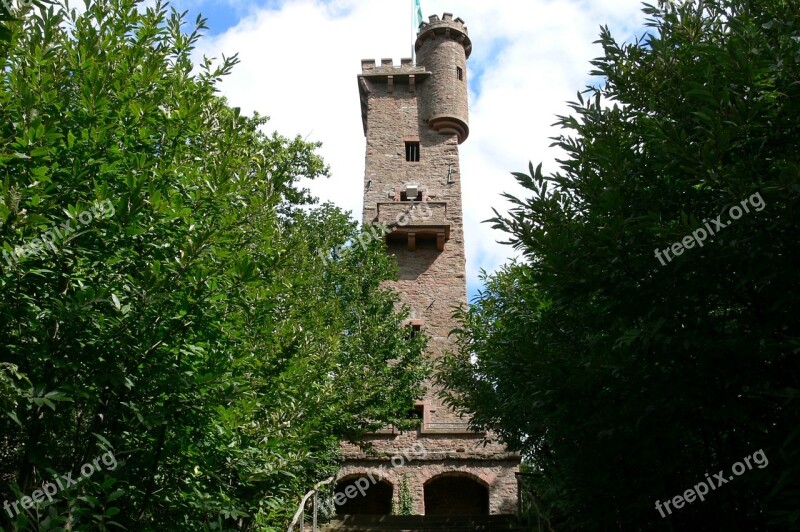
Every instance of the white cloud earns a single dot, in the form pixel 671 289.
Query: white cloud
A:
pixel 300 59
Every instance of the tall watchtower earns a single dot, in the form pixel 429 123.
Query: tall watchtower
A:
pixel 414 118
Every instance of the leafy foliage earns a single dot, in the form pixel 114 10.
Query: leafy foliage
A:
pixel 404 505
pixel 624 380
pixel 190 325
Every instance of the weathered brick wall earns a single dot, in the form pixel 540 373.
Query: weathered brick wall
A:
pixel 430 282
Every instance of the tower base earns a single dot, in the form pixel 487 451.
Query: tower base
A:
pixel 440 474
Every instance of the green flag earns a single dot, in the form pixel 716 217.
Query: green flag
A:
pixel 417 15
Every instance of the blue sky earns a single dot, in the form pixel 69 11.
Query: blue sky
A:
pixel 300 58
pixel 221 17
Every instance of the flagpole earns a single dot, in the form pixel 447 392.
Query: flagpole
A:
pixel 413 33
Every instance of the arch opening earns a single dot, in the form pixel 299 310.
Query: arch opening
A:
pixel 374 499
pixel 456 495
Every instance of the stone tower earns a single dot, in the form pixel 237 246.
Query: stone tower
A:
pixel 415 117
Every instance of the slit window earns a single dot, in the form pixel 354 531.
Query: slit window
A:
pixel 460 73
pixel 412 152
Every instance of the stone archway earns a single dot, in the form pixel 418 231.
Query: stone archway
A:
pixel 456 494
pixel 376 498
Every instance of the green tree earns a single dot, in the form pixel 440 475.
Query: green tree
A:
pixel 8 15
pixel 625 378
pixel 194 319
pixel 5 31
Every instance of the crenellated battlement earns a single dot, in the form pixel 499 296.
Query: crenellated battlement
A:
pixel 447 19
pixel 386 67
pixel 447 27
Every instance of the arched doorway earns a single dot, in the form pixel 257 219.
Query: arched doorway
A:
pixel 450 494
pixel 376 498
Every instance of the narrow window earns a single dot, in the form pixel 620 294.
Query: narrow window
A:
pixel 413 330
pixel 460 73
pixel 418 412
pixel 412 152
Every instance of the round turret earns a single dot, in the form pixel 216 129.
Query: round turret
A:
pixel 442 47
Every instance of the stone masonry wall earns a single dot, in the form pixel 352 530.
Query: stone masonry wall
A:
pixel 430 282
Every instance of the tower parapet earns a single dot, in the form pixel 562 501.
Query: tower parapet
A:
pixel 443 47
pixel 386 72
pixel 440 26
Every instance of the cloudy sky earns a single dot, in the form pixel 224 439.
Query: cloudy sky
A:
pixel 300 59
